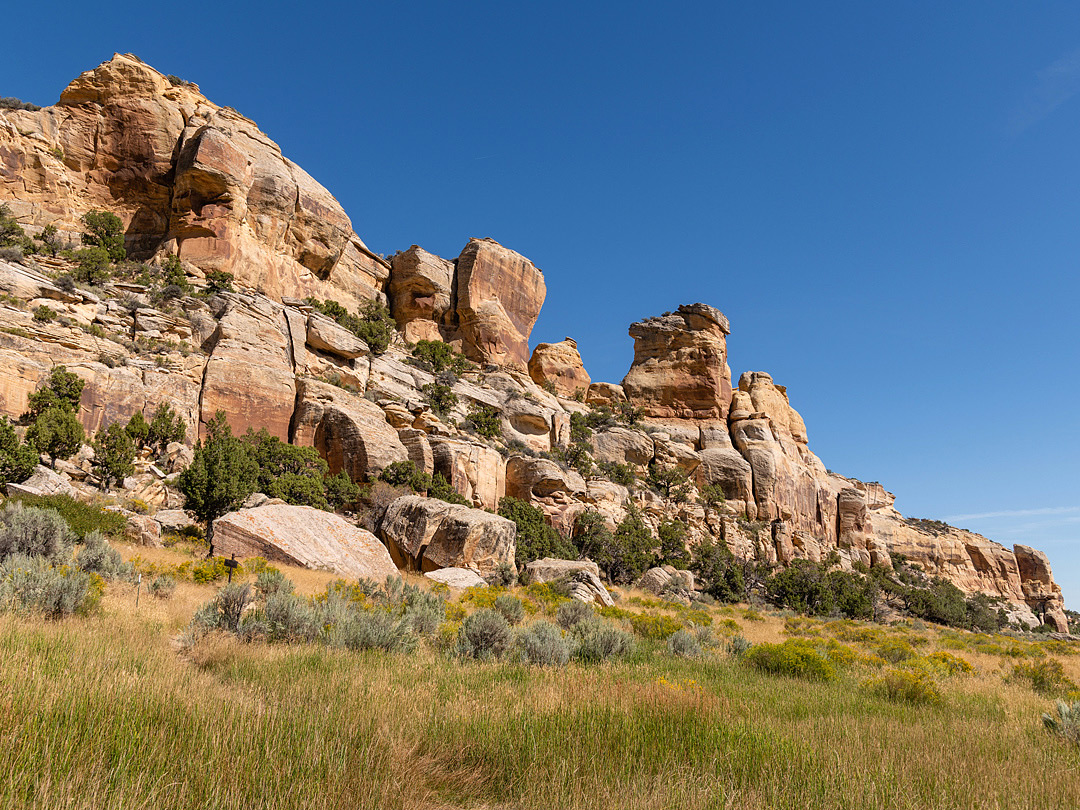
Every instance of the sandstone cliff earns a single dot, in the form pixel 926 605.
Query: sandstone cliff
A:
pixel 199 181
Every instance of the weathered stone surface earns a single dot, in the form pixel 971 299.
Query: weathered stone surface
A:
pixel 583 577
pixel 475 471
pixel 249 374
pixel 421 286
pixel 666 579
pixel 532 479
pixel 559 366
pixel 527 421
pixel 1041 593
pixel 460 578
pixel 43 481
pixel 727 468
pixel 303 536
pixel 326 335
pixel 143 530
pixel 605 395
pixel 350 432
pixel 430 534
pixel 186 177
pixel 499 295
pixel 173 519
pixel 619 445
pixel 680 365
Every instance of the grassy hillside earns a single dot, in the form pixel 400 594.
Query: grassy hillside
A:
pixel 110 711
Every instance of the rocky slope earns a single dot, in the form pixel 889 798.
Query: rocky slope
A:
pixel 199 181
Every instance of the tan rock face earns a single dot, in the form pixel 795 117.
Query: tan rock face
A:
pixel 431 534
pixel 499 295
pixel 421 285
pixel 474 470
pixel 680 365
pixel 559 366
pixel 301 535
pixel 605 395
pixel 350 432
pixel 187 177
pixel 249 374
pixel 619 445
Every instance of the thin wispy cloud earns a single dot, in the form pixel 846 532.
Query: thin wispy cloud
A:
pixel 1013 513
pixel 1054 85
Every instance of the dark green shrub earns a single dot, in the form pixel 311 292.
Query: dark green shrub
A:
pixel 138 429
pixel 438 356
pixel 290 472
pixel 94 267
pixel 17 460
pixel 673 551
pixel 44 313
pixel 719 573
pixel 218 281
pixel 440 397
pixel 221 476
pixel 114 454
pixel 11 232
pixel 535 538
pixel 711 495
pixel 484 635
pixel 543 644
pixel 166 426
pixel 484 420
pixel 440 488
pixel 62 389
pixel 671 482
pixel 405 474
pixel 57 432
pixel 375 326
pixel 105 230
pixel 617 473
pixel 794 658
pixel 600 641
pixel 623 556
pixel 341 490
pixel 12 103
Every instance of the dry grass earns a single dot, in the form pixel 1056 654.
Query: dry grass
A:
pixel 105 712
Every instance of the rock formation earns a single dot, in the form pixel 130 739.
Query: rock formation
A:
pixel 300 535
pixel 187 177
pixel 191 179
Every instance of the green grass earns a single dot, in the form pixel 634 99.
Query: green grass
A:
pixel 105 712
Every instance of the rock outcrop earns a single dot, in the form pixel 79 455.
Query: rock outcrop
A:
pixel 426 534
pixel 558 367
pixel 499 295
pixel 187 177
pixel 200 182
pixel 680 368
pixel 303 536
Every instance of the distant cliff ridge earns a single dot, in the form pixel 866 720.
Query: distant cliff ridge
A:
pixel 201 182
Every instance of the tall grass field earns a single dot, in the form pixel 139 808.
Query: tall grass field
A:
pixel 118 710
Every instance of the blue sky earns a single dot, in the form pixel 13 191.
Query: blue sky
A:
pixel 883 198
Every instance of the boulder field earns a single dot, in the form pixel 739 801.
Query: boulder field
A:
pixel 200 182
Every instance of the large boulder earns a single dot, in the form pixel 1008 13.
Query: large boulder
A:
pixel 680 365
pixel 421 286
pixel 350 432
pixel 558 366
pixel 43 481
pixel 303 536
pixel 582 577
pixel 427 534
pixel 499 295
pixel 620 445
pixel 476 471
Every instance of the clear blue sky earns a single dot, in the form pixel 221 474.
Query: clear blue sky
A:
pixel 883 198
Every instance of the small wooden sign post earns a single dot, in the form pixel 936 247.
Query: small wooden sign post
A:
pixel 231 564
